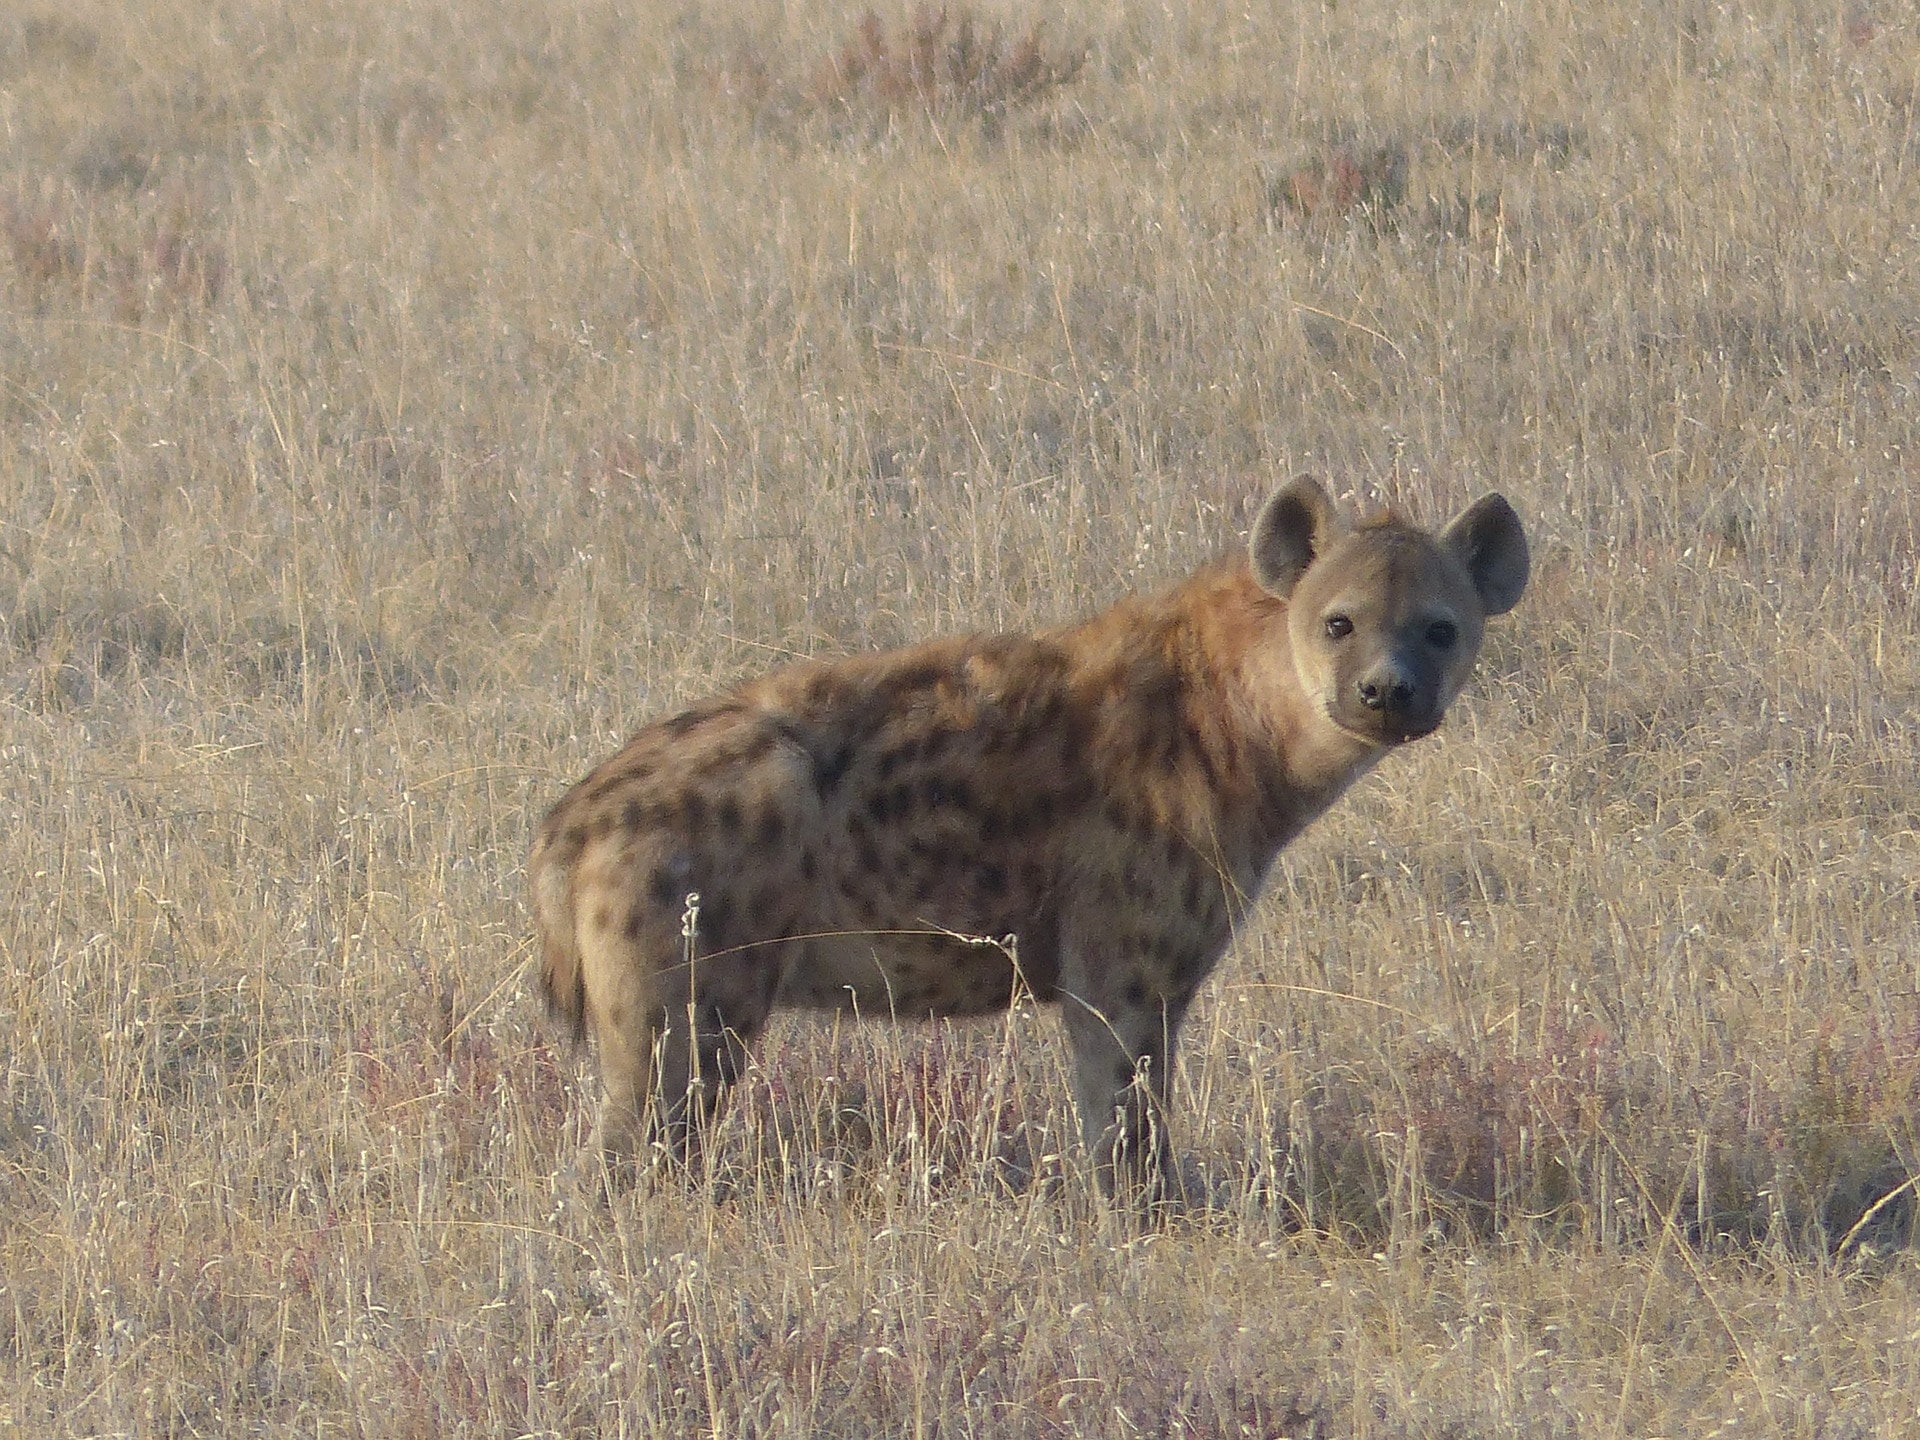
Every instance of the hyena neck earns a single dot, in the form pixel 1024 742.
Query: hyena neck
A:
pixel 1293 761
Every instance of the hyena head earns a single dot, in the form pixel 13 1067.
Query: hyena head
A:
pixel 1385 619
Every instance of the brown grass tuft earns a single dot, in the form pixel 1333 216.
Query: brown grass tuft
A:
pixel 153 256
pixel 1344 181
pixel 944 59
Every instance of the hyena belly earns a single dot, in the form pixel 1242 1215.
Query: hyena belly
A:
pixel 905 977
pixel 931 885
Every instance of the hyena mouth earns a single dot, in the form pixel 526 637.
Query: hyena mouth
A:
pixel 1386 730
pixel 1404 729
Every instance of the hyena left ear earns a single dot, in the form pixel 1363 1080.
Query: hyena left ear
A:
pixel 1487 538
pixel 1294 529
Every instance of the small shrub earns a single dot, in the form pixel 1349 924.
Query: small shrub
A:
pixel 138 260
pixel 1343 181
pixel 944 60
pixel 39 233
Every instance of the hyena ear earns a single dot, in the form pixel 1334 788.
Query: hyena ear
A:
pixel 1294 529
pixel 1487 538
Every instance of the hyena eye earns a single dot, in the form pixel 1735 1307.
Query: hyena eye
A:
pixel 1442 633
pixel 1338 627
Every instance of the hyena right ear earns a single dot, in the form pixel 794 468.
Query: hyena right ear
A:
pixel 1294 529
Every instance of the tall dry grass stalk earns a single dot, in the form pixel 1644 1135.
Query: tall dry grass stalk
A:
pixel 398 404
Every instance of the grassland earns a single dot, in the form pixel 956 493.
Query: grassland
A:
pixel 398 404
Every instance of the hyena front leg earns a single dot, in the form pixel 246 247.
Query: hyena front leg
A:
pixel 1122 1029
pixel 1122 1063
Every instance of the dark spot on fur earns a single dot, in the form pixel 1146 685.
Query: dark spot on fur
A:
pixel 1160 748
pixel 575 838
pixel 919 675
pixel 1193 899
pixel 865 852
pixel 1275 807
pixel 992 879
pixel 809 867
pixel 662 887
pixel 730 817
pixel 755 749
pixel 829 770
pixel 1136 992
pixel 769 827
pixel 693 811
pixel 937 791
pixel 636 924
pixel 633 816
pixel 1037 814
pixel 602 917
pixel 683 725
pixel 1209 769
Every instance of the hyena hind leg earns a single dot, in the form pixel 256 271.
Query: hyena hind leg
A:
pixel 662 1092
pixel 669 1052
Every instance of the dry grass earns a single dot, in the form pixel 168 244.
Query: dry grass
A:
pixel 401 403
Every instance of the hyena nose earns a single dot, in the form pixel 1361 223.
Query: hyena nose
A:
pixel 1387 690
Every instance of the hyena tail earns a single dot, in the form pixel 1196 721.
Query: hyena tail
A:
pixel 560 973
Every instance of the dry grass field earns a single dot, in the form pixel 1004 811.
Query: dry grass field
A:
pixel 400 403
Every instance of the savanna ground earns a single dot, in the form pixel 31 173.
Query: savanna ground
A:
pixel 398 404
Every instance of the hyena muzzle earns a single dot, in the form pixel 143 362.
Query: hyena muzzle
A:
pixel 1111 793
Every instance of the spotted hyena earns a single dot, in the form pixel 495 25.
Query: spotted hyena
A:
pixel 1111 793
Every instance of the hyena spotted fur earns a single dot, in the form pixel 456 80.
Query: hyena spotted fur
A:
pixel 1111 793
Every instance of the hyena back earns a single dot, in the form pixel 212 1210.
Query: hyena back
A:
pixel 1112 794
